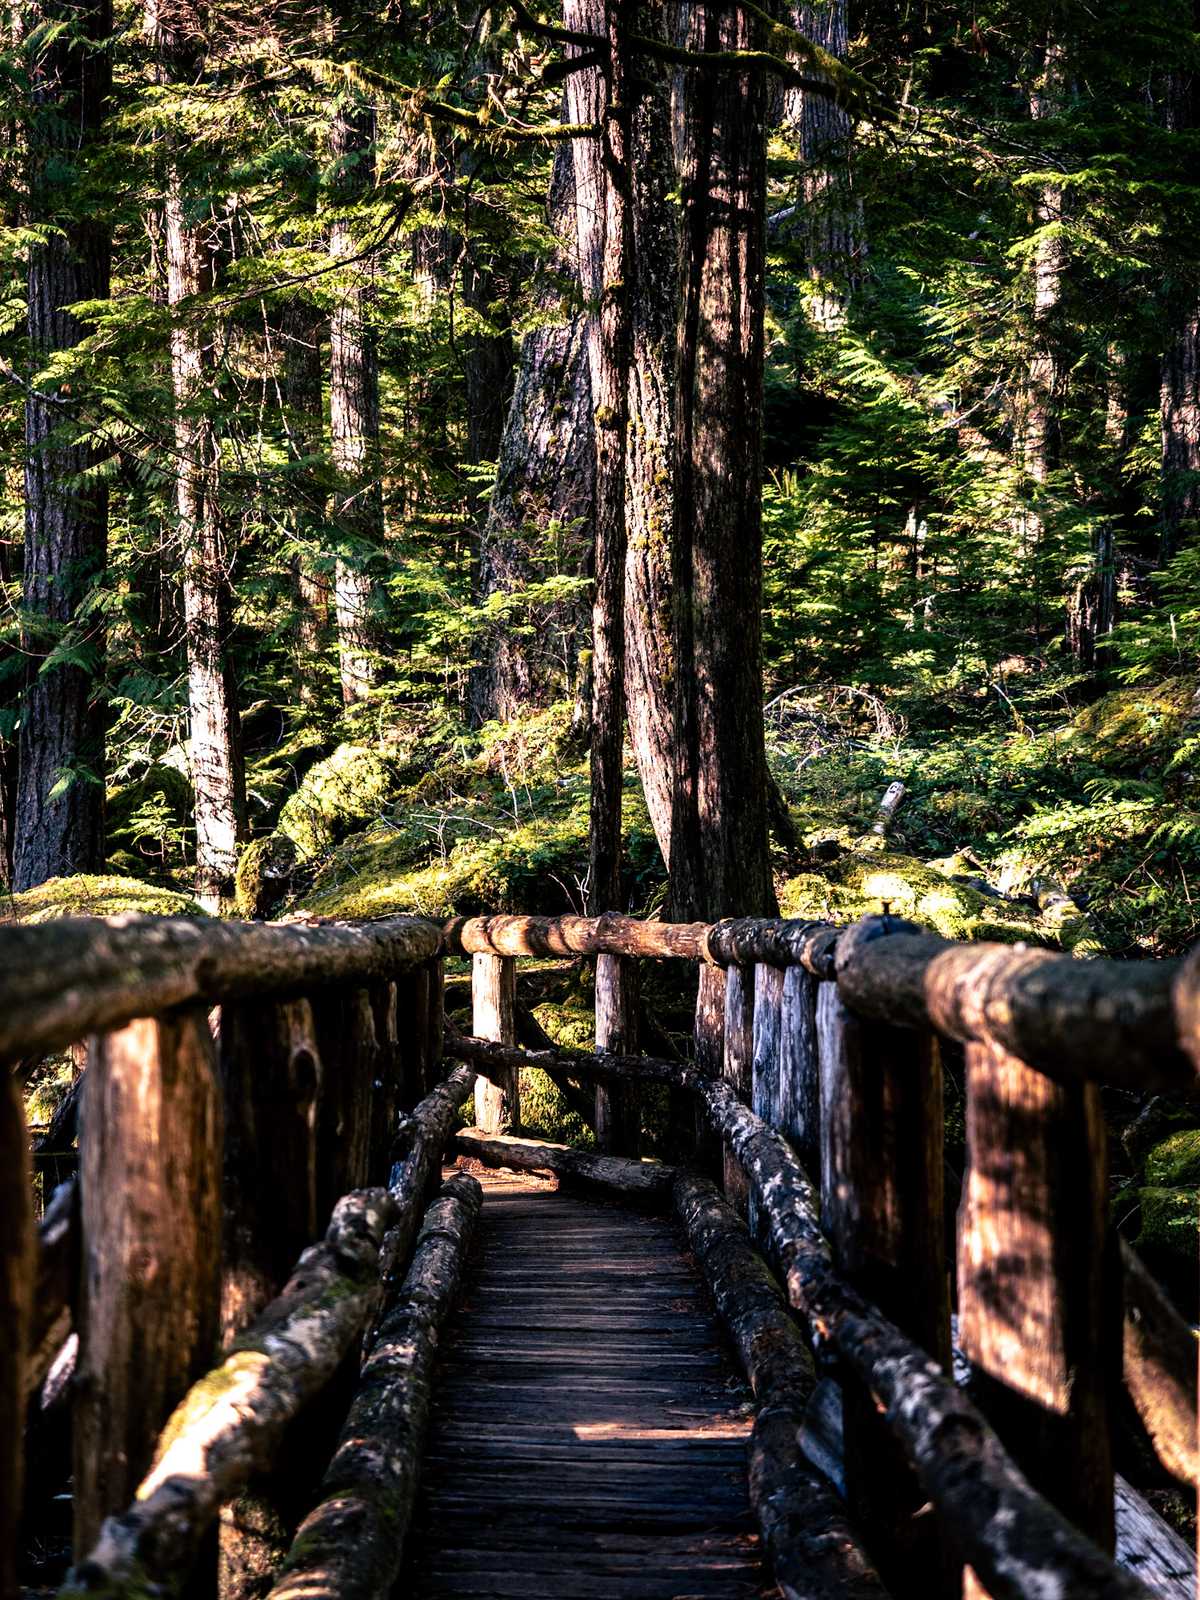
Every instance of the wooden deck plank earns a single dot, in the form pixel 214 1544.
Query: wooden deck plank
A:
pixel 588 1437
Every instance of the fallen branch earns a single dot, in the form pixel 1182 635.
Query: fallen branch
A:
pixel 349 1547
pixel 1160 1369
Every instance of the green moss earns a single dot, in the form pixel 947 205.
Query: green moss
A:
pixel 546 1114
pixel 88 895
pixel 149 821
pixel 1131 727
pixel 265 875
pixel 855 886
pixel 349 788
pixel 1170 1221
pixel 1175 1161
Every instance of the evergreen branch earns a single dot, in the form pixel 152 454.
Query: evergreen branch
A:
pixel 440 111
pixel 550 30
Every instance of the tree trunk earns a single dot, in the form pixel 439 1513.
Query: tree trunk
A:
pixel 1180 412
pixel 830 220
pixel 719 860
pixel 1035 423
pixel 545 475
pixel 605 238
pixel 650 448
pixel 354 412
pixel 60 793
pixel 299 332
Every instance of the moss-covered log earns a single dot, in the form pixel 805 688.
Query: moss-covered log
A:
pixel 646 1179
pixel 62 980
pixel 229 1425
pixel 350 1545
pixel 814 1552
pixel 1099 1021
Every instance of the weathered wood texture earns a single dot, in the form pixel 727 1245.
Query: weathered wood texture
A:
pixel 18 1267
pixel 230 1424
pixel 1037 1303
pixel 56 1297
pixel 62 980
pixel 882 1208
pixel 586 1441
pixel 578 1167
pixel 736 940
pixel 737 1067
pixel 1095 1021
pixel 493 1005
pixel 272 1074
pixel 150 1185
pixel 617 1117
pixel 349 1546
pixel 814 1552
pixel 1159 1365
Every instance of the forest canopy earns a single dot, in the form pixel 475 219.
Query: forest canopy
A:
pixel 466 456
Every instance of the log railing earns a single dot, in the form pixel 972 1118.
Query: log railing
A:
pixel 247 1082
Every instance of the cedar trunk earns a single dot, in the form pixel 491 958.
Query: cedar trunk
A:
pixel 60 788
pixel 719 862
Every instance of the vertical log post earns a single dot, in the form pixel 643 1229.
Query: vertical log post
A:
pixel 272 1075
pixel 618 1110
pixel 882 1208
pixel 709 1042
pixel 349 1050
pixel 738 1066
pixel 18 1269
pixel 413 1033
pixel 150 1187
pixel 799 1105
pixel 390 1087
pixel 435 1024
pixel 1038 1301
pixel 494 1000
pixel 764 1070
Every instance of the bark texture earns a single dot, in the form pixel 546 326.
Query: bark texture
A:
pixel 206 553
pixel 60 787
pixel 17 1275
pixel 1159 1366
pixel 545 478
pixel 1179 386
pixel 351 1544
pixel 719 862
pixel 63 980
pixel 815 1554
pixel 354 408
pixel 829 213
pixel 299 333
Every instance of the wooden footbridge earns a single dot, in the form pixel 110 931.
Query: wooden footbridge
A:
pixel 311 1354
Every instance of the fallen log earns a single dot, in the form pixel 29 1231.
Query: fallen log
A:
pixel 349 1547
pixel 230 1424
pixel 1160 1369
pixel 1106 1022
pixel 62 980
pixel 814 1552
pixel 1018 1544
pixel 645 1179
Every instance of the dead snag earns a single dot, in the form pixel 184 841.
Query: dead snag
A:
pixel 814 1552
pixel 644 1178
pixel 150 1297
pixel 494 999
pixel 350 1545
pixel 229 1425
pixel 1160 1369
pixel 17 1273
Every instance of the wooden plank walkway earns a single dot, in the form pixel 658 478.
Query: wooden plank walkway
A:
pixel 589 1436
